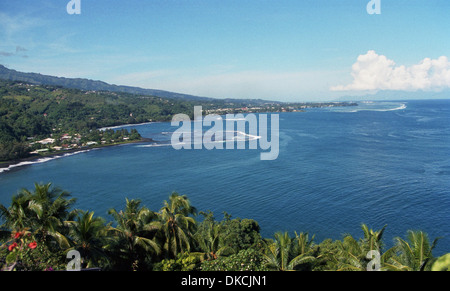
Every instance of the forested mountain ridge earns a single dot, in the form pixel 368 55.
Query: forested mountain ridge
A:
pixel 86 84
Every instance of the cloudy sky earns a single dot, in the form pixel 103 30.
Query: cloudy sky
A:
pixel 309 50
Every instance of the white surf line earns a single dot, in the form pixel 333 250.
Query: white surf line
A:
pixel 234 138
pixel 41 160
pixel 401 107
pixel 243 133
pixel 125 125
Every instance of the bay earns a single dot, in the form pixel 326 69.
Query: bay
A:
pixel 378 163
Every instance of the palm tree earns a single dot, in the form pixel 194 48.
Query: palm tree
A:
pixel 88 235
pixel 353 255
pixel 50 207
pixel 373 239
pixel 42 210
pixel 303 243
pixel 412 255
pixel 135 227
pixel 16 217
pixel 286 254
pixel 176 224
pixel 208 239
pixel 350 255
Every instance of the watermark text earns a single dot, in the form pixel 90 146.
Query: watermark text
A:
pixel 374 7
pixel 234 132
pixel 74 7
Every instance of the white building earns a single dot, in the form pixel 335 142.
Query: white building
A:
pixel 47 141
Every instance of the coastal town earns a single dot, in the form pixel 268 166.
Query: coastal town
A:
pixel 58 143
pixel 276 107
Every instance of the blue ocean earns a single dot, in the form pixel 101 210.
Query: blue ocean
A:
pixel 379 163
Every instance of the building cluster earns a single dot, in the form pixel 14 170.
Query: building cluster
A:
pixel 65 142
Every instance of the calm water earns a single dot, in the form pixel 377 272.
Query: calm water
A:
pixel 378 163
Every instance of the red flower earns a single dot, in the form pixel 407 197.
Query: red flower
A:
pixel 18 235
pixel 11 247
pixel 32 245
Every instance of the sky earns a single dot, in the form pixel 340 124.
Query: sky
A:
pixel 299 50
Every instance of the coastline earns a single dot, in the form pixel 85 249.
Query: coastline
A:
pixel 127 125
pixel 7 165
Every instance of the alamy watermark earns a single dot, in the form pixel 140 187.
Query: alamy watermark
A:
pixel 374 7
pixel 74 7
pixel 75 261
pixel 233 132
pixel 375 261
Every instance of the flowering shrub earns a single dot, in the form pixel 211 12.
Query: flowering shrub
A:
pixel 24 253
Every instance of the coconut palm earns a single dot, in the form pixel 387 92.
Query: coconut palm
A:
pixel 350 255
pixel 373 239
pixel 209 242
pixel 303 243
pixel 88 236
pixel 176 224
pixel 133 234
pixel 42 210
pixel 412 255
pixel 354 255
pixel 285 254
pixel 16 216
pixel 51 207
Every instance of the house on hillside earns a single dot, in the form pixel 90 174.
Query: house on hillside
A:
pixel 47 141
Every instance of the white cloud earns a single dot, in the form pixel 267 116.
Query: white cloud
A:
pixel 373 72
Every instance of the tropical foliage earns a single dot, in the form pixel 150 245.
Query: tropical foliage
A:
pixel 40 227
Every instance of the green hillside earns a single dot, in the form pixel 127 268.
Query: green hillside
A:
pixel 29 112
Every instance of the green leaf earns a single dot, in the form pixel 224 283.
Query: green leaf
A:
pixel 11 258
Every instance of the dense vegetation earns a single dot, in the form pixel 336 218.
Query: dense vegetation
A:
pixel 29 112
pixel 40 227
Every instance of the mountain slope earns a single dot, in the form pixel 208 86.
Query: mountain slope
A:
pixel 86 84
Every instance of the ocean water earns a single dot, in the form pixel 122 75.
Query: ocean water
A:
pixel 379 163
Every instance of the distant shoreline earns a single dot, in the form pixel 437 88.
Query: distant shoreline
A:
pixel 4 166
pixel 127 124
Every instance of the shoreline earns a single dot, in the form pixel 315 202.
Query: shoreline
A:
pixel 7 165
pixel 127 125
